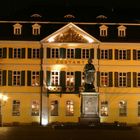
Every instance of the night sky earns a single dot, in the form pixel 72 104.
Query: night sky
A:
pixel 11 7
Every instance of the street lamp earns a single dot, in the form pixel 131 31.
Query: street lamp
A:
pixel 3 100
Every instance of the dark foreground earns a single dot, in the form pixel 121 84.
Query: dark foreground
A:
pixel 47 133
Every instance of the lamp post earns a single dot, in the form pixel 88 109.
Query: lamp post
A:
pixel 3 100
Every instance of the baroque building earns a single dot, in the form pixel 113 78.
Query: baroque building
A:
pixel 42 62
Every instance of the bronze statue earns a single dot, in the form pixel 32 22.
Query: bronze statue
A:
pixel 89 71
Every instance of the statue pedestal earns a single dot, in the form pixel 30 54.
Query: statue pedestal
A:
pixel 89 108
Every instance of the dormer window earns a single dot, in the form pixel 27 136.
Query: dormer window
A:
pixel 17 29
pixel 103 30
pixel 121 31
pixel 36 29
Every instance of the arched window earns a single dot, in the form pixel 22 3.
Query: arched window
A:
pixel 36 29
pixel 17 29
pixel 103 30
pixel 121 31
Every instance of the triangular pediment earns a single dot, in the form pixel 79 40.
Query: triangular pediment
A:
pixel 70 33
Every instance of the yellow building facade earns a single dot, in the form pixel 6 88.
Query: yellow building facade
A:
pixel 44 78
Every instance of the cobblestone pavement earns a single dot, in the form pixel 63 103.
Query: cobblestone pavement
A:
pixel 44 133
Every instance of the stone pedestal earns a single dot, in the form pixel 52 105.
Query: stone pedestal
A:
pixel 89 108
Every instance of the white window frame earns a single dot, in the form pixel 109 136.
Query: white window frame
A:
pixel 36 53
pixel 104 108
pixel 16 78
pixel 70 53
pixel 36 29
pixel 122 54
pixel 54 53
pixel 70 78
pixel 121 31
pixel 17 29
pixel 122 108
pixel 16 108
pixel 55 78
pixel 104 54
pixel 122 79
pixel 104 79
pixel 35 79
pixel 103 30
pixel 85 53
pixel 69 108
pixel 17 53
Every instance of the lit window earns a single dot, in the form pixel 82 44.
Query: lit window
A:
pixel 16 78
pixel 138 108
pixel 104 80
pixel 122 79
pixel 35 78
pixel 70 79
pixel 16 108
pixel 70 53
pixel 35 108
pixel 104 54
pixel 54 108
pixel 69 108
pixel 17 29
pixel 36 29
pixel 104 108
pixel 17 53
pixel 83 78
pixel 55 78
pixel 85 53
pixel 121 31
pixel 103 30
pixel 0 78
pixel 54 53
pixel 122 108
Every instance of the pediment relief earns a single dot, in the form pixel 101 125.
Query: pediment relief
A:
pixel 70 35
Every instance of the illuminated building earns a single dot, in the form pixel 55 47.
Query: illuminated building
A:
pixel 41 69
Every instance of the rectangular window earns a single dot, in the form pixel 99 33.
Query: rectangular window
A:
pixel 36 31
pixel 138 54
pixel 16 78
pixel 122 79
pixel 17 53
pixel 35 108
pixel 70 78
pixel 16 108
pixel 1 52
pixel 69 108
pixel 104 54
pixel 85 53
pixel 54 53
pixel 122 108
pixel 103 32
pixel 35 78
pixel 17 31
pixel 54 108
pixel 104 108
pixel 70 53
pixel 0 78
pixel 83 78
pixel 55 78
pixel 122 54
pixel 104 79
pixel 35 53
pixel 138 79
pixel 138 108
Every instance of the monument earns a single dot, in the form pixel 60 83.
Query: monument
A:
pixel 89 98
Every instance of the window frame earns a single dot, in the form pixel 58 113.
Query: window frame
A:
pixel 16 108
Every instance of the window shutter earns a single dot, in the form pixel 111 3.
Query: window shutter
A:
pixel 92 53
pixel 23 52
pixel 41 52
pixel 4 77
pixel 48 53
pixel 134 55
pixel 77 80
pixel 4 52
pixel 128 55
pixel 116 54
pixel 110 53
pixel 116 79
pixel 110 79
pixel 22 78
pixel 41 78
pixel 128 79
pixel 63 80
pixel 28 78
pixel 9 78
pixel 134 79
pixel 98 78
pixel 62 53
pixel 48 80
pixel 98 53
pixel 77 53
pixel 10 52
pixel 29 52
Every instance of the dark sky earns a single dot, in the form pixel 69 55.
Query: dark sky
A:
pixel 8 7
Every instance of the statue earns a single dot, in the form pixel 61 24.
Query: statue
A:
pixel 89 71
